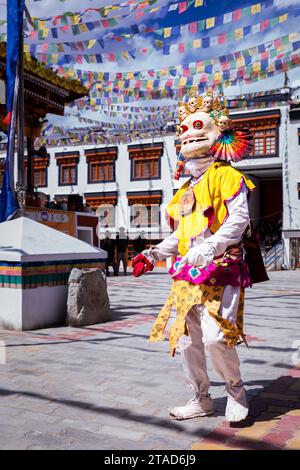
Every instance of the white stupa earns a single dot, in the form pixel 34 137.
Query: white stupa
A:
pixel 35 263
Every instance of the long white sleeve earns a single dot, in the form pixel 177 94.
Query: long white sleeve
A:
pixel 168 247
pixel 232 230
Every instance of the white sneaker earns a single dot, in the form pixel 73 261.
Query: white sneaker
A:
pixel 235 411
pixel 193 408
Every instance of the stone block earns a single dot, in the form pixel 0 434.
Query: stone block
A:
pixel 88 302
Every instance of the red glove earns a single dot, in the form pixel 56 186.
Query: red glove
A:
pixel 141 265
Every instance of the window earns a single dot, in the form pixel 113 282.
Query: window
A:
pixel 144 216
pixel 104 204
pixel 102 171
pixel 265 142
pixel 67 163
pixel 106 216
pixel 101 164
pixel 146 168
pixel 39 172
pixel 264 127
pixel 145 161
pixel 145 208
pixel 68 174
pixel 40 177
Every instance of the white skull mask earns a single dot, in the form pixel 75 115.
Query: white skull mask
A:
pixel 198 133
pixel 224 123
pixel 192 104
pixel 182 113
pixel 207 104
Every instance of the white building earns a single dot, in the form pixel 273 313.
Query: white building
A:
pixel 133 183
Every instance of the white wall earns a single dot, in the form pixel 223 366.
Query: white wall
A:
pixel 123 184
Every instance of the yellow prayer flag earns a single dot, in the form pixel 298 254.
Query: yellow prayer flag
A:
pixel 76 19
pixel 271 67
pixel 121 84
pixel 218 76
pixel 182 81
pixel 26 48
pixel 198 3
pixel 238 33
pixel 240 61
pixel 45 32
pixel 91 43
pixel 54 58
pixel 196 43
pixel 149 84
pixel 154 9
pixel 125 54
pixel 210 22
pixel 167 32
pixel 282 18
pixel 83 28
pixel 293 37
pixel 130 76
pixel 164 72
pixel 42 24
pixel 255 8
pixel 256 67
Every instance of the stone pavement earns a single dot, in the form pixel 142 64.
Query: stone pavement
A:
pixel 106 387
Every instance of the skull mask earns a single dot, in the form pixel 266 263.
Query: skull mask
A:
pixel 224 123
pixel 198 133
pixel 207 104
pixel 182 113
pixel 192 104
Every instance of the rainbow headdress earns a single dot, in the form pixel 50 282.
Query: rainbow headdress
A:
pixel 232 145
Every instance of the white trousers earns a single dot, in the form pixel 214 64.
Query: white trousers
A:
pixel 204 332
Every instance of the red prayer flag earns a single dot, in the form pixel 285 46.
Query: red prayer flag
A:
pixel 181 47
pixel 264 24
pixel 221 38
pixel 237 14
pixel 193 27
pixel 181 7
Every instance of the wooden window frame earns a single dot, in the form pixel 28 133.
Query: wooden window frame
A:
pixel 92 163
pixel 149 223
pixel 101 156
pixel 142 153
pixel 43 172
pixel 112 223
pixel 141 161
pixel 145 199
pixel 71 166
pixel 38 164
pixel 261 123
pixel 70 159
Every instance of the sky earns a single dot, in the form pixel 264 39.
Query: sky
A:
pixel 48 8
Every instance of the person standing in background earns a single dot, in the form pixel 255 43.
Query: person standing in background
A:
pixel 122 241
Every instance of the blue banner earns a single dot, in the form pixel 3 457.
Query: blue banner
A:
pixel 15 11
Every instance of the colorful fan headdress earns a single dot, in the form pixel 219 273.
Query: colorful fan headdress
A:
pixel 231 144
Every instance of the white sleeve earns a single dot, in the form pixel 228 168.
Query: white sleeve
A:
pixel 232 230
pixel 168 247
